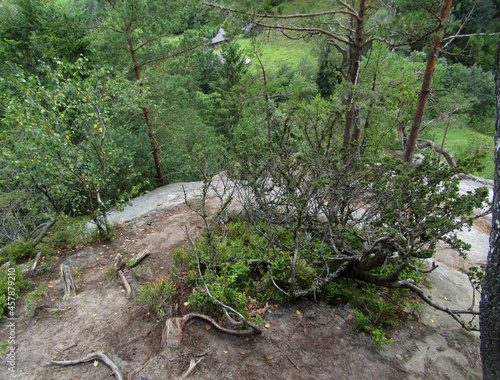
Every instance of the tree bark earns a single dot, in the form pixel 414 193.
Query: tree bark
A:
pixel 490 297
pixel 426 84
pixel 355 50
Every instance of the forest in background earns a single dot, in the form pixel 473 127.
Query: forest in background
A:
pixel 102 100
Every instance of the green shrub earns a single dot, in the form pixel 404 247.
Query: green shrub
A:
pixel 18 250
pixel 157 295
pixel 70 231
pixel 12 283
pixel 35 298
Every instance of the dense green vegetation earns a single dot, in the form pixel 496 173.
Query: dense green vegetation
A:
pixel 102 100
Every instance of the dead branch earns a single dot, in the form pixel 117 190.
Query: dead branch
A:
pixel 67 281
pixel 99 355
pixel 408 284
pixel 46 227
pixel 125 283
pixel 420 270
pixel 428 144
pixel 138 258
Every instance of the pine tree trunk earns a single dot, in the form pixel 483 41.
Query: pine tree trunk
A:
pixel 426 85
pixel 355 50
pixel 490 298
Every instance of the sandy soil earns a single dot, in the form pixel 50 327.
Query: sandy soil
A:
pixel 318 343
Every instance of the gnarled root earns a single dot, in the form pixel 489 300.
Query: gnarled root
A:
pixel 172 334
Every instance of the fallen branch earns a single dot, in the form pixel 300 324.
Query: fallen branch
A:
pixel 138 258
pixel 67 281
pixel 125 282
pixel 99 355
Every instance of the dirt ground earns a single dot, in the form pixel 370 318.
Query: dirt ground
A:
pixel 304 341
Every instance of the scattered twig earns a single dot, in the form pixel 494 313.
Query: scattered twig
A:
pixel 192 365
pixel 131 375
pixel 67 348
pixel 291 361
pixel 99 355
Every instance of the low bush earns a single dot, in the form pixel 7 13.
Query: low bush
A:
pixel 12 283
pixel 156 297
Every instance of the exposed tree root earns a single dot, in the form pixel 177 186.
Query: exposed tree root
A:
pixel 99 355
pixel 172 334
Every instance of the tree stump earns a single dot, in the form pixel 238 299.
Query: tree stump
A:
pixel 69 286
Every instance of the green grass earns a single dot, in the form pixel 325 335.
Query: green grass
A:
pixel 458 139
pixel 277 50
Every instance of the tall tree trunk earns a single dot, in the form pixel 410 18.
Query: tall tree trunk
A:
pixel 355 50
pixel 145 112
pixel 426 84
pixel 490 298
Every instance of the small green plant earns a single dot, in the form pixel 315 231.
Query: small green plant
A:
pixel 3 347
pixel 380 339
pixel 49 264
pixel 156 297
pixel 362 322
pixel 199 301
pixel 111 273
pixel 35 298
pixel 180 256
